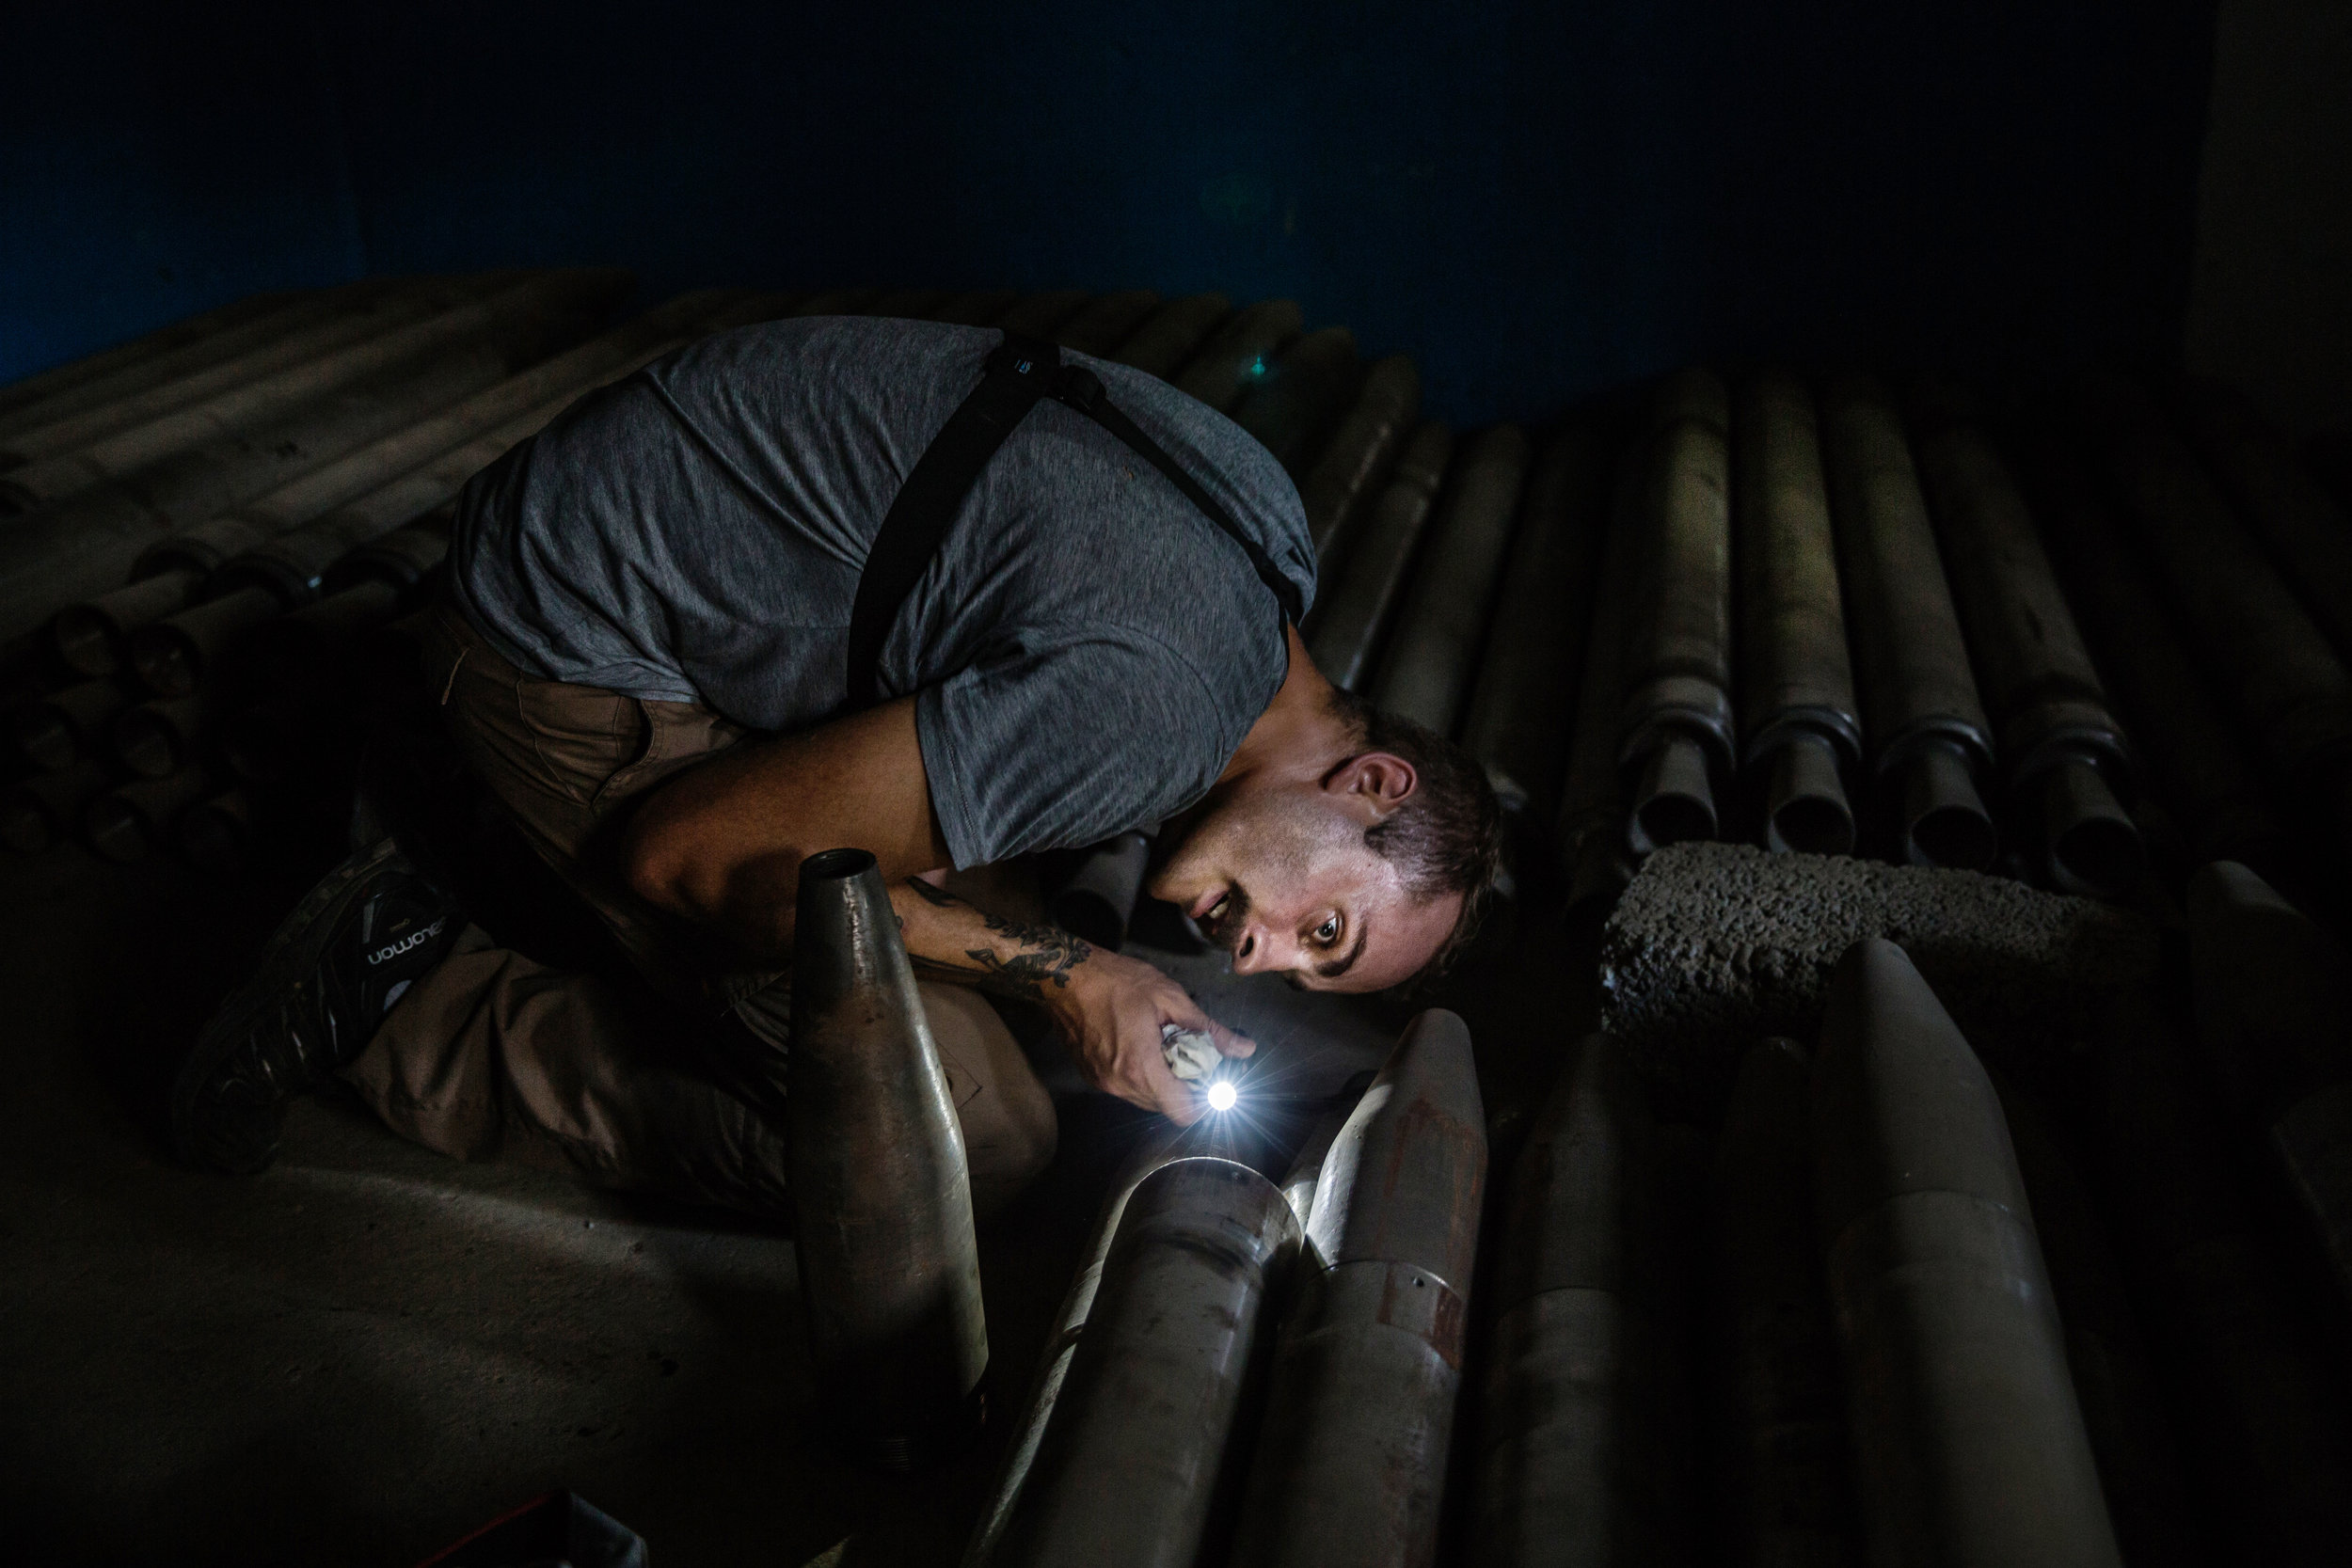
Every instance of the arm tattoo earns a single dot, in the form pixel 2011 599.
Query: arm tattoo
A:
pixel 1044 955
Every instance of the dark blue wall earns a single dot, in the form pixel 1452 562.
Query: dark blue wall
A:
pixel 1535 199
pixel 153 163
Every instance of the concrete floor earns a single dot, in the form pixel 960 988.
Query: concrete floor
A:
pixel 363 1353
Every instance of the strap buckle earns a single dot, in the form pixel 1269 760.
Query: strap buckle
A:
pixel 1078 386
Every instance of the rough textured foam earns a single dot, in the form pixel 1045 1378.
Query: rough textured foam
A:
pixel 1714 945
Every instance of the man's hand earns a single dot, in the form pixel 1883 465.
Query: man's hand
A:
pixel 1108 1007
pixel 1111 1013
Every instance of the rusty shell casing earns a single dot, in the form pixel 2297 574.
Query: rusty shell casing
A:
pixel 164 355
pixel 1676 736
pixel 292 567
pixel 324 328
pixel 976 307
pixel 1586 1386
pixel 1433 652
pixel 1042 315
pixel 1338 491
pixel 178 653
pixel 1169 335
pixel 2308 530
pixel 2187 749
pixel 1163 1145
pixel 127 821
pixel 1238 355
pixel 2123 1405
pixel 2280 675
pixel 1343 631
pixel 36 812
pixel 882 1198
pixel 1780 1419
pixel 55 732
pixel 156 739
pixel 484 337
pixel 1099 899
pixel 1293 406
pixel 425 489
pixel 1802 732
pixel 403 560
pixel 91 637
pixel 1523 703
pixel 217 455
pixel 1130 1463
pixel 1969 1441
pixel 2063 756
pixel 308 504
pixel 1351 1459
pixel 1929 745
pixel 1591 827
pixel 2273 993
pixel 2266 1434
pixel 1103 325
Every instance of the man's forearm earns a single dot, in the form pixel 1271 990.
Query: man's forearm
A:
pixel 949 938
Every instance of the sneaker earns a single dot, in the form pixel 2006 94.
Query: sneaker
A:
pixel 329 975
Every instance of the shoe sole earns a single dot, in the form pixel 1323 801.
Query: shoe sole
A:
pixel 295 950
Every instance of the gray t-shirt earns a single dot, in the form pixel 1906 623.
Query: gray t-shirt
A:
pixel 1087 648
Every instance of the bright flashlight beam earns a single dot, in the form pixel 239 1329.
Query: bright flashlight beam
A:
pixel 1221 1095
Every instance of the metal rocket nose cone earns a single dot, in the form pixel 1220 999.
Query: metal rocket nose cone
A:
pixel 1401 1178
pixel 1900 1102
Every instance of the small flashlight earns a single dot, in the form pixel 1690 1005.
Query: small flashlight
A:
pixel 1194 1058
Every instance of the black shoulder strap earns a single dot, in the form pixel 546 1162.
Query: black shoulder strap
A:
pixel 917 519
pixel 1017 374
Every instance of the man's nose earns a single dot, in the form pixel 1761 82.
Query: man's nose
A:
pixel 1263 951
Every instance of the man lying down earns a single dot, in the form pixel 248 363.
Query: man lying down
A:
pixel 680 644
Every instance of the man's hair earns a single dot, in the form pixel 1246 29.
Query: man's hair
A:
pixel 1447 837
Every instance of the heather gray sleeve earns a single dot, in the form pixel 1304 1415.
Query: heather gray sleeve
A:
pixel 1056 740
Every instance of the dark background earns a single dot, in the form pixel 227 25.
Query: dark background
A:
pixel 1536 199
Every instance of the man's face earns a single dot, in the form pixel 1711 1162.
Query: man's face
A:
pixel 1282 880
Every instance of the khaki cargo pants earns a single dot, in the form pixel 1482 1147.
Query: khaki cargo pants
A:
pixel 493 1055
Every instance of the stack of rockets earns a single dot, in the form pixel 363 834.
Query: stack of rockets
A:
pixel 1828 619
pixel 1877 1315
pixel 1888 1311
pixel 1823 618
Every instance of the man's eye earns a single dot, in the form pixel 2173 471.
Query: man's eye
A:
pixel 1329 932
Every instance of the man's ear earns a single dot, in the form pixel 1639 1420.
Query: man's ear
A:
pixel 1380 780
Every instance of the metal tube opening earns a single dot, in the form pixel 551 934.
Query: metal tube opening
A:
pixel 1945 822
pixel 145 745
pixel 1675 801
pixel 2092 845
pixel 1805 810
pixel 85 641
pixel 116 830
pixel 837 864
pixel 46 740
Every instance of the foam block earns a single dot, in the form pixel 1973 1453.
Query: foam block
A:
pixel 1714 945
